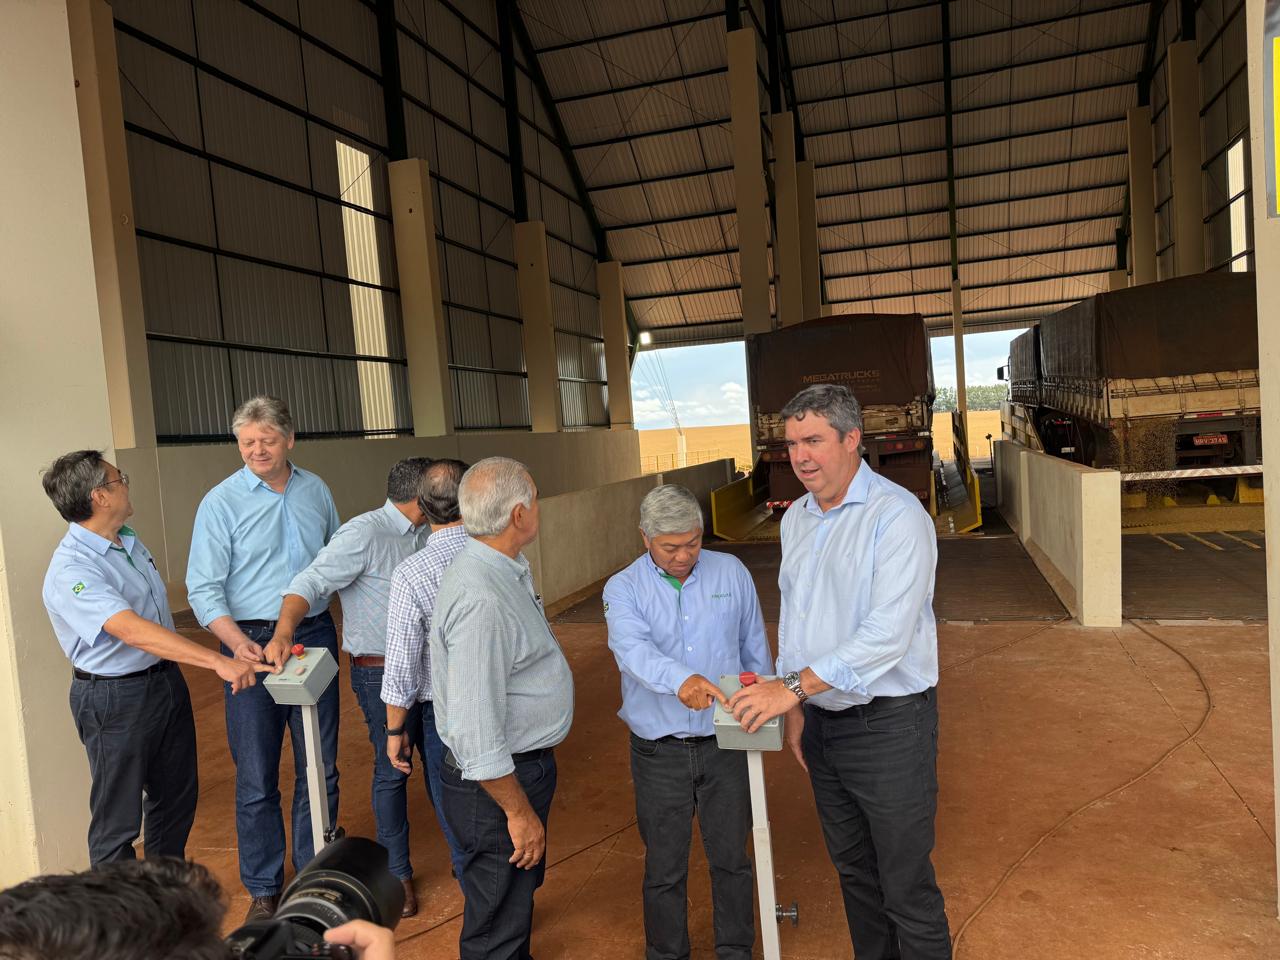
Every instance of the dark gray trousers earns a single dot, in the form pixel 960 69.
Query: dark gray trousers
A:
pixel 674 780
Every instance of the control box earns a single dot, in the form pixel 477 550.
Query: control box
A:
pixel 729 733
pixel 305 676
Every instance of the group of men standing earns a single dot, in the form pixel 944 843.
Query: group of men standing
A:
pixel 449 653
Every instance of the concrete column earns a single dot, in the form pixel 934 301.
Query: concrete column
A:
pixel 1118 279
pixel 1142 196
pixel 957 330
pixel 55 398
pixel 748 181
pixel 534 280
pixel 115 248
pixel 810 251
pixel 426 341
pixel 1184 158
pixel 787 251
pixel 1266 253
pixel 613 318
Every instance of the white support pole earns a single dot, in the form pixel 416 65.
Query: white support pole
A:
pixel 316 789
pixel 764 856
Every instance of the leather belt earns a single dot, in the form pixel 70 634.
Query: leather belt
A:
pixel 675 739
pixel 877 704
pixel 525 757
pixel 154 668
pixel 367 661
pixel 304 622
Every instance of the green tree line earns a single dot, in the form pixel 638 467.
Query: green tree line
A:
pixel 983 396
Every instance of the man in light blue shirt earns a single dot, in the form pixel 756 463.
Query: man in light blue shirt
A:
pixel 858 647
pixel 679 619
pixel 357 564
pixel 255 532
pixel 108 606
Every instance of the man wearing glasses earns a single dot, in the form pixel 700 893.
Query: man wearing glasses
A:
pixel 110 612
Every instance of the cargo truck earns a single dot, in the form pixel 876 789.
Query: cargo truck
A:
pixel 884 359
pixel 1158 377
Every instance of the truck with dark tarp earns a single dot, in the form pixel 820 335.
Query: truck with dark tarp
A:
pixel 884 359
pixel 1162 376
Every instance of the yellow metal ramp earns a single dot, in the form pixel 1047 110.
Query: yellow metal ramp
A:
pixel 739 513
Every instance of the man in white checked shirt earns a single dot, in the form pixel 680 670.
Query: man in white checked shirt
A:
pixel 406 678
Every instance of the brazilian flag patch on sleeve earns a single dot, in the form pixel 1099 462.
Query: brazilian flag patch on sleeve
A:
pixel 78 588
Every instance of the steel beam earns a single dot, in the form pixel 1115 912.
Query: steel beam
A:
pixel 506 10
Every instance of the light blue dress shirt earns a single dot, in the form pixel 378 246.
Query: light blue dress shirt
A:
pixel 662 636
pixel 357 565
pixel 249 542
pixel 857 593
pixel 88 582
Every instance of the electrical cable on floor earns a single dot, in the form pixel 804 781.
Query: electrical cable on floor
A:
pixel 565 859
pixel 978 656
pixel 1048 834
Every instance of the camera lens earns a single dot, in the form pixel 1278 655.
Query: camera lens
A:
pixel 348 880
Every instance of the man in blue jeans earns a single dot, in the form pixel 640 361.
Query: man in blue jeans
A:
pixel 254 532
pixel 357 565
pixel 406 682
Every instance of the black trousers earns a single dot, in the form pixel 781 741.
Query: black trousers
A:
pixel 497 915
pixel 673 781
pixel 141 740
pixel 874 775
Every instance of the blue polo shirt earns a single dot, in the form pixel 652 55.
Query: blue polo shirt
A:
pixel 90 580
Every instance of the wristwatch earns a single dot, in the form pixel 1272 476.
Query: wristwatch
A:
pixel 393 731
pixel 792 682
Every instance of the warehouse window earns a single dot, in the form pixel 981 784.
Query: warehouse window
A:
pixel 1236 186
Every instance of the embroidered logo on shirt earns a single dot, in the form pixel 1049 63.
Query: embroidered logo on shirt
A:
pixel 78 588
pixel 721 596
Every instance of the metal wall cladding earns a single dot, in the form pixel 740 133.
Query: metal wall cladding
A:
pixel 348 26
pixel 163 19
pixel 504 289
pixel 363 320
pixel 262 219
pixel 238 40
pixel 254 132
pixel 271 307
pixel 507 338
pixel 170 191
pixel 158 91
pixel 347 170
pixel 469 341
pixel 191 389
pixel 179 290
pixel 344 96
pixel 467 285
pixel 459 217
pixel 573 404
pixel 568 356
pixel 304 383
pixel 475 399
pixel 356 244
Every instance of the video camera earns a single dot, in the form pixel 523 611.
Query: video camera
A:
pixel 347 880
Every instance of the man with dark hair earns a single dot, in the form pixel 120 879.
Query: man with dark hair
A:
pixel 858 659
pixel 254 532
pixel 109 609
pixel 357 565
pixel 164 909
pixel 406 682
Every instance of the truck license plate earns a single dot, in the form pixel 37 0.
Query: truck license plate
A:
pixel 1210 440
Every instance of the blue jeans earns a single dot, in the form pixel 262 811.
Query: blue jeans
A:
pixel 432 749
pixel 497 917
pixel 255 732
pixel 390 800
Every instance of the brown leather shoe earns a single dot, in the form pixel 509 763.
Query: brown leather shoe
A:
pixel 410 900
pixel 262 908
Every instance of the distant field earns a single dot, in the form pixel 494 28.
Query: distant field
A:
pixel 658 447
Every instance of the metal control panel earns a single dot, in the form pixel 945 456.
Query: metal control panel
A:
pixel 729 733
pixel 305 677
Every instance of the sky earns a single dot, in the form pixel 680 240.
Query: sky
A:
pixel 708 384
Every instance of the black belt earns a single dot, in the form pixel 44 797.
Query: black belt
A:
pixel 675 739
pixel 525 757
pixel 877 704
pixel 154 668
pixel 304 622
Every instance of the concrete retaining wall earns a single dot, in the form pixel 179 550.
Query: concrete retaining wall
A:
pixel 1068 518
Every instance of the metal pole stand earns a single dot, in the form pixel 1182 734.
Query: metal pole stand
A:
pixel 316 791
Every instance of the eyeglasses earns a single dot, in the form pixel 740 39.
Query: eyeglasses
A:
pixel 123 478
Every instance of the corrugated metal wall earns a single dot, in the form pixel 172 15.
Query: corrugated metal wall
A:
pixel 454 116
pixel 256 137
pixel 1166 34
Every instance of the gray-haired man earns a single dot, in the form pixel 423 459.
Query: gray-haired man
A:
pixel 503 699
pixel 357 564
pixel 679 618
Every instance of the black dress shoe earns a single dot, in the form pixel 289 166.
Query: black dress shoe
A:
pixel 262 908
pixel 410 908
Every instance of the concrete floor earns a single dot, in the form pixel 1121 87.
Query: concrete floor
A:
pixel 1039 721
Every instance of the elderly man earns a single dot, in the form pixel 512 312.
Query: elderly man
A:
pixel 679 619
pixel 357 565
pixel 255 532
pixel 108 606
pixel 503 697
pixel 406 683
pixel 858 647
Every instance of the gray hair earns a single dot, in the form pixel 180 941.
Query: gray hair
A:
pixel 268 411
pixel 670 508
pixel 488 493
pixel 439 494
pixel 71 480
pixel 831 401
pixel 404 482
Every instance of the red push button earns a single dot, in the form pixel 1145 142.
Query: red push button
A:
pixel 746 678
pixel 298 650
